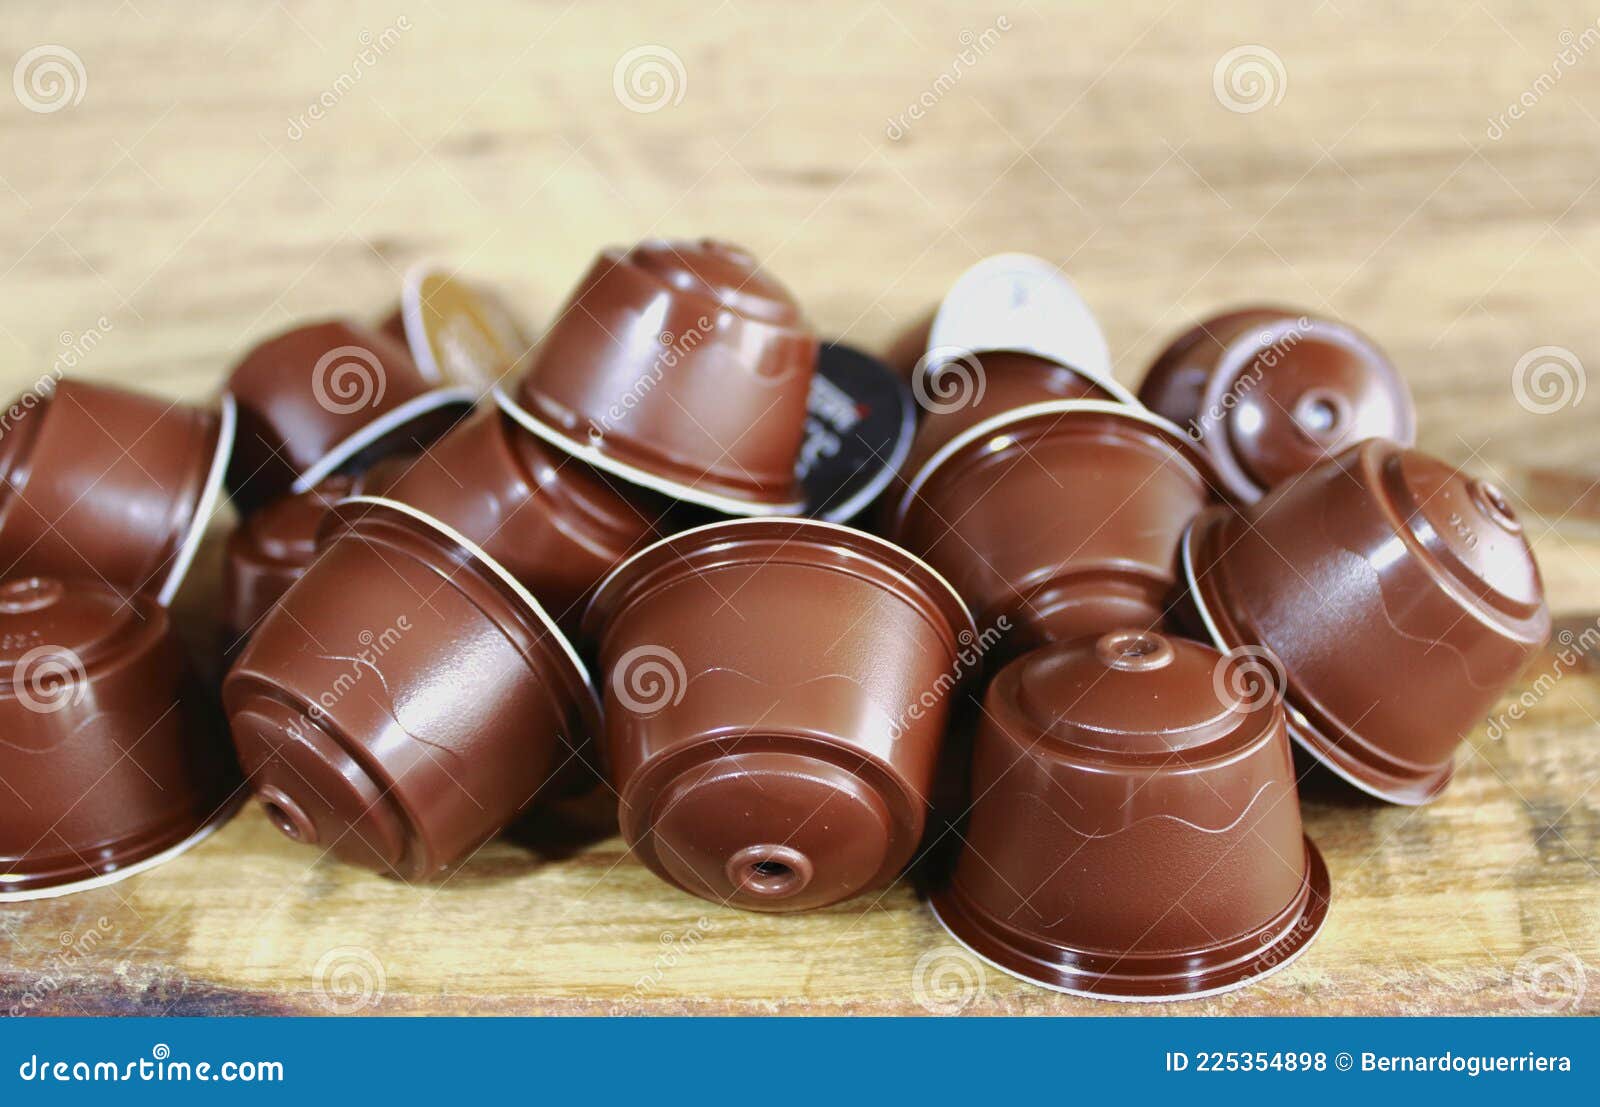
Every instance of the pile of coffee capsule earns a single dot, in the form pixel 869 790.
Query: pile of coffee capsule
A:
pixel 808 617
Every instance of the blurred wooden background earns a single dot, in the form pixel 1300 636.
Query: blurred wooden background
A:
pixel 175 198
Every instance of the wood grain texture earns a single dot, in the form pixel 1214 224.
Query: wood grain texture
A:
pixel 187 206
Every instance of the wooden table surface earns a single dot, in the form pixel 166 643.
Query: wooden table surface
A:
pixel 210 173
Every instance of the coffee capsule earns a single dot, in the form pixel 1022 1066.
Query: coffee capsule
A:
pixel 331 397
pixel 1135 830
pixel 1022 303
pixel 860 420
pixel 455 330
pixel 1269 392
pixel 776 694
pixel 1058 520
pixel 963 391
pixel 682 367
pixel 406 698
pixel 109 755
pixel 1400 597
pixel 552 522
pixel 269 550
pixel 107 484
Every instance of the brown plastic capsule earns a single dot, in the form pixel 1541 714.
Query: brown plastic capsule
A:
pixel 1135 829
pixel 682 367
pixel 108 484
pixel 1270 392
pixel 406 698
pixel 776 693
pixel 109 752
pixel 1400 597
pixel 1058 520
